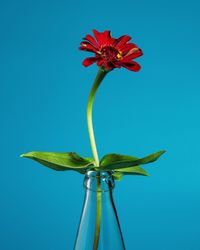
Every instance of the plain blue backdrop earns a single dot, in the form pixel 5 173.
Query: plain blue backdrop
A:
pixel 43 95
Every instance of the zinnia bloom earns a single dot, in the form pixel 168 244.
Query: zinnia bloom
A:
pixel 111 52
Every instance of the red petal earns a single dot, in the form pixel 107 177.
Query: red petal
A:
pixel 105 64
pixel 107 37
pixel 90 60
pixel 133 66
pixel 112 42
pixel 109 65
pixel 91 40
pixel 122 40
pixel 87 46
pixel 116 65
pixel 100 62
pixel 125 48
pixel 132 56
pixel 98 36
pixel 102 38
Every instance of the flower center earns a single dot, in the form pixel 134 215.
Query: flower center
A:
pixel 110 54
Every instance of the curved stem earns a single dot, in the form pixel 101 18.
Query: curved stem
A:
pixel 100 76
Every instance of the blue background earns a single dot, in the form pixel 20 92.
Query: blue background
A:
pixel 43 96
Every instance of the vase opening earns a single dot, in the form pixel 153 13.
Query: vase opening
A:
pixel 99 181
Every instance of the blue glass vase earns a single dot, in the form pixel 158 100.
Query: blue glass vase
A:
pixel 99 227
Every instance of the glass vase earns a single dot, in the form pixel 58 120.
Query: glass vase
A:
pixel 99 227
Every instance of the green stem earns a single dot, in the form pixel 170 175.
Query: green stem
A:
pixel 100 76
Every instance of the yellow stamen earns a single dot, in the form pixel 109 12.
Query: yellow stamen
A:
pixel 119 55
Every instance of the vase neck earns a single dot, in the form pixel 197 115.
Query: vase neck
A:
pixel 99 181
pixel 99 227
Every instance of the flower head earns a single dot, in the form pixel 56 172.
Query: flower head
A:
pixel 111 52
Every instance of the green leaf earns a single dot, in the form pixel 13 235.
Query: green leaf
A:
pixel 119 173
pixel 117 176
pixel 61 161
pixel 114 158
pixel 137 170
pixel 114 161
pixel 129 171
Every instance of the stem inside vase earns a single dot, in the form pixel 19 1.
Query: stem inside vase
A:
pixel 98 215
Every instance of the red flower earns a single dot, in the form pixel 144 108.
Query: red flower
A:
pixel 110 52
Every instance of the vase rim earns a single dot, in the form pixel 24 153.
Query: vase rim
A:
pixel 98 174
pixel 105 178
